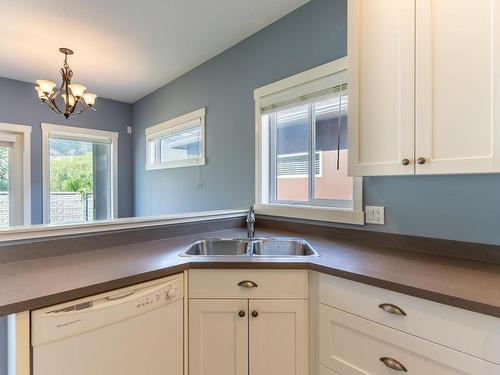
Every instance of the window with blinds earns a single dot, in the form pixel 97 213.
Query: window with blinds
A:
pixel 307 127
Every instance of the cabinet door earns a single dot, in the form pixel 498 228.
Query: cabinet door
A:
pixel 457 86
pixel 278 337
pixel 381 50
pixel 218 337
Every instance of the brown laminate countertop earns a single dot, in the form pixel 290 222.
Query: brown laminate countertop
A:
pixel 37 283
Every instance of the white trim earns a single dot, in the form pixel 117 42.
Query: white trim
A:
pixel 177 164
pixel 302 78
pixel 68 131
pixel 174 125
pixel 19 348
pixel 53 230
pixel 332 214
pixel 80 133
pixel 262 198
pixel 23 153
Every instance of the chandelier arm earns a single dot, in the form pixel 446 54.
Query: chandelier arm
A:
pixel 52 104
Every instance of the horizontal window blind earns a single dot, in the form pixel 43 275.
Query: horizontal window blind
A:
pixel 296 164
pixel 305 93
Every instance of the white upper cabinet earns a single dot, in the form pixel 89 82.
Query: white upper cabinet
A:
pixel 424 87
pixel 381 48
pixel 457 86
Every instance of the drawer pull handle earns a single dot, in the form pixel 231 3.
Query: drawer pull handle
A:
pixel 247 284
pixel 241 313
pixel 392 309
pixel 393 364
pixel 255 314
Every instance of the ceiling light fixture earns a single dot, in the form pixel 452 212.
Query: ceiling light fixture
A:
pixel 72 93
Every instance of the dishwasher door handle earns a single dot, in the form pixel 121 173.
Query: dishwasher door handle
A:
pixel 119 296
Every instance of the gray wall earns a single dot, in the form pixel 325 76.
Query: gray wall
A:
pixel 454 207
pixel 313 35
pixel 18 105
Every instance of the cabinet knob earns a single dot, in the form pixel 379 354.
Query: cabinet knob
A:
pixel 255 314
pixel 241 313
pixel 393 364
pixel 392 309
pixel 421 160
pixel 405 161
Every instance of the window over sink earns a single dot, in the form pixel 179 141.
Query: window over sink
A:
pixel 301 133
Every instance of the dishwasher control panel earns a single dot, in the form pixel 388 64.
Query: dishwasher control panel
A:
pixel 166 294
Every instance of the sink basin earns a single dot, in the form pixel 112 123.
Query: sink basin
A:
pixel 283 247
pixel 218 247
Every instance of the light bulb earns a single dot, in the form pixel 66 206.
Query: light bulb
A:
pixel 89 98
pixel 71 100
pixel 46 86
pixel 77 89
pixel 41 95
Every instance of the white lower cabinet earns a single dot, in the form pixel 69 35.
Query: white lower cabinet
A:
pixel 351 345
pixel 364 330
pixel 265 332
pixel 278 337
pixel 218 337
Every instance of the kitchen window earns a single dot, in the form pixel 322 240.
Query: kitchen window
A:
pixel 15 175
pixel 179 142
pixel 301 133
pixel 80 174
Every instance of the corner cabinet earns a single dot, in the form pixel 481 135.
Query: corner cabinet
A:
pixel 365 330
pixel 424 87
pixel 248 322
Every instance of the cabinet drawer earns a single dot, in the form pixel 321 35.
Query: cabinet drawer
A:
pixel 466 331
pixel 351 345
pixel 277 284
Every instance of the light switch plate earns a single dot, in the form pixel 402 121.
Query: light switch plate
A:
pixel 374 214
pixel 129 130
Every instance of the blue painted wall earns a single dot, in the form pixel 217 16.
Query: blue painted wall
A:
pixel 310 36
pixel 18 105
pixel 455 207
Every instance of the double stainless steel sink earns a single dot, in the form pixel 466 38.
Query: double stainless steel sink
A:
pixel 280 247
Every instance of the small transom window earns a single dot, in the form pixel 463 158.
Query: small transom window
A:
pixel 177 143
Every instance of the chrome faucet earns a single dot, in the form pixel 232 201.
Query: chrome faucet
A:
pixel 251 223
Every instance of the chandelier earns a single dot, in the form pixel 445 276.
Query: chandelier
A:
pixel 76 100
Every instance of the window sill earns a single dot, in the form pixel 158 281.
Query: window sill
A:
pixel 177 164
pixel 330 214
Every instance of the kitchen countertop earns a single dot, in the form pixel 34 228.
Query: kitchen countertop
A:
pixel 37 283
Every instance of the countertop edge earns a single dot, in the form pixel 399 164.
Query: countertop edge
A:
pixel 106 286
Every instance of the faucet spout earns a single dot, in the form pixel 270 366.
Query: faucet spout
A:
pixel 251 223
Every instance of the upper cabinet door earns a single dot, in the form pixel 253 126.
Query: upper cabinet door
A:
pixel 381 50
pixel 457 86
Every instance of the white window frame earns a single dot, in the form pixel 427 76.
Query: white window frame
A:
pixel 311 79
pixel 173 126
pixel 72 132
pixel 20 173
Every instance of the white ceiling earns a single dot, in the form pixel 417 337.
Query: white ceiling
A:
pixel 125 49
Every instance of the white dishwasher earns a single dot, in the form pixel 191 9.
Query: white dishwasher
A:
pixel 130 331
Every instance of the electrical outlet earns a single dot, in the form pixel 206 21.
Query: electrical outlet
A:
pixel 374 214
pixel 129 130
